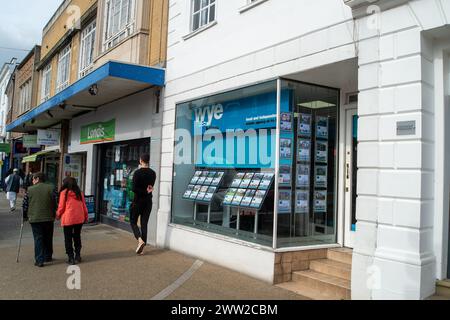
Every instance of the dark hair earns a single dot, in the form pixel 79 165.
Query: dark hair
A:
pixel 40 176
pixel 70 184
pixel 145 158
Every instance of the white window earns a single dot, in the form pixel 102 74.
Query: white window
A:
pixel 87 49
pixel 45 83
pixel 25 97
pixel 62 80
pixel 119 21
pixel 203 13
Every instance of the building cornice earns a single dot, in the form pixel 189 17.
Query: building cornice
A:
pixel 360 7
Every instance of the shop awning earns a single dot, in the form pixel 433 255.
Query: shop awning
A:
pixel 34 157
pixel 112 81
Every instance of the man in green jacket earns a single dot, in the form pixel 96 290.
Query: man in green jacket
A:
pixel 39 208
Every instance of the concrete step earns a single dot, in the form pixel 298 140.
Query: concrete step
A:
pixel 443 289
pixel 343 255
pixel 329 286
pixel 305 291
pixel 332 268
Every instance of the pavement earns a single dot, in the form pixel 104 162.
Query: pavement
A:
pixel 112 271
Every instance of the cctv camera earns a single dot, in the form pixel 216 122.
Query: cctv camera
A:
pixel 93 90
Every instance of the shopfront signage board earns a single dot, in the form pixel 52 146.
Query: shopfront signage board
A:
pixel 98 132
pixel 48 137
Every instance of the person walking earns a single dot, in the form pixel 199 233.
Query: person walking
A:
pixel 39 208
pixel 13 184
pixel 142 186
pixel 73 213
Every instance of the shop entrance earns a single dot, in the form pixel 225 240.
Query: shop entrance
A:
pixel 118 161
pixel 350 174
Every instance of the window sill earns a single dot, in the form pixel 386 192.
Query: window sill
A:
pixel 199 30
pixel 250 6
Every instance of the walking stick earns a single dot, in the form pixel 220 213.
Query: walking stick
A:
pixel 20 240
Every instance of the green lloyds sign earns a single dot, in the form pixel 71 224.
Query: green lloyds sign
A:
pixel 98 132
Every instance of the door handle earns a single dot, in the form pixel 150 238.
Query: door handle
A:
pixel 347 177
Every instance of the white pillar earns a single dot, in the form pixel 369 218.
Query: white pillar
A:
pixel 393 255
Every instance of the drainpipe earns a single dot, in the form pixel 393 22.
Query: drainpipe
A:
pixel 63 146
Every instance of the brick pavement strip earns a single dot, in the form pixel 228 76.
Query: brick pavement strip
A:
pixel 111 270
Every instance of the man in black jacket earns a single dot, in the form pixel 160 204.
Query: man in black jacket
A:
pixel 13 184
pixel 143 182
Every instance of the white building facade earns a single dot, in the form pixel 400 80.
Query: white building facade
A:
pixel 355 94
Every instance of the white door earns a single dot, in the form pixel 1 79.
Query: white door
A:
pixel 351 152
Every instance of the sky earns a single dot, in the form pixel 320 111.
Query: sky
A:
pixel 21 24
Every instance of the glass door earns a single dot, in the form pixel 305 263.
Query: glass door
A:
pixel 351 155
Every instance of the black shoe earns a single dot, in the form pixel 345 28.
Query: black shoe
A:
pixel 48 260
pixel 39 264
pixel 77 258
pixel 71 260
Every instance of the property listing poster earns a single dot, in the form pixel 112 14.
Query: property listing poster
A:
pixel 285 175
pixel 302 201
pixel 284 201
pixel 286 122
pixel 304 150
pixel 321 176
pixel 320 201
pixel 321 127
pixel 304 124
pixel 303 174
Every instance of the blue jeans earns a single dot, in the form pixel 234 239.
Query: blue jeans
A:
pixel 43 240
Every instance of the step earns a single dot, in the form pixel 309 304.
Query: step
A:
pixel 332 268
pixel 343 255
pixel 330 286
pixel 305 291
pixel 443 288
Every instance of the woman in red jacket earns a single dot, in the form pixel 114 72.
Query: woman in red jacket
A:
pixel 73 214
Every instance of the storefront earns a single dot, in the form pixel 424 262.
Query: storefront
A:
pixel 260 164
pixel 118 163
pixel 110 142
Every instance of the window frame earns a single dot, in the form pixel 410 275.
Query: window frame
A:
pixel 110 39
pixel 65 56
pixel 87 38
pixel 46 76
pixel 199 13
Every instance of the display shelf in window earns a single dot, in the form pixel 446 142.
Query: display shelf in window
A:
pixel 203 186
pixel 253 195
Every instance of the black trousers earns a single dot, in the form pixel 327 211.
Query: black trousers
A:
pixel 72 238
pixel 43 240
pixel 140 209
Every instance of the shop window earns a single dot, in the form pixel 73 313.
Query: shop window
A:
pixel 225 161
pixel 119 21
pixel 307 166
pixel 119 162
pixel 203 13
pixel 63 78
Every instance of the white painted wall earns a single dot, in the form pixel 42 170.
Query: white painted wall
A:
pixel 395 253
pixel 249 259
pixel 135 119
